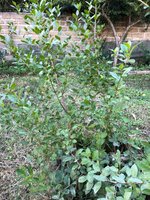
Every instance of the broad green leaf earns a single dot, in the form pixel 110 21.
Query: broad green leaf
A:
pixel 95 155
pixel 82 179
pixel 134 171
pixel 127 194
pixel 119 198
pixel 37 30
pixel 13 86
pixel 96 167
pixel 110 192
pixel 88 152
pixel 90 176
pixel 67 158
pixel 115 76
pixel 86 161
pixel 59 28
pixel 97 187
pixel 100 178
pixel 89 186
pixel 78 6
pixel 57 37
pixel 106 171
pixel 119 179
pixel 135 180
pixel 124 47
pixel 116 50
pixel 12 98
pixel 73 191
pixel 131 61
pixel 113 169
pixel 145 176
pixel 145 188
pixel 128 44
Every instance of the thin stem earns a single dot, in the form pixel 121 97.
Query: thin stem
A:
pixel 61 103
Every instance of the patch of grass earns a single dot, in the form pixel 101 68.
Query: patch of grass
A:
pixel 140 82
pixel 138 90
pixel 141 67
pixel 8 68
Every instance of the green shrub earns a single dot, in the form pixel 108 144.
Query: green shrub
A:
pixel 75 122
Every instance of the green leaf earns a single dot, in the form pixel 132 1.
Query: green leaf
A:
pixel 12 86
pixel 135 180
pixel 37 30
pixel 127 70
pixel 120 178
pixel 57 37
pixel 88 152
pixel 78 6
pixel 106 171
pixel 90 176
pixel 124 48
pixel 96 167
pixel 73 191
pixel 146 188
pixel 116 50
pixel 120 198
pixel 59 28
pixel 131 61
pixel 127 194
pixel 86 161
pixel 12 98
pixel 145 176
pixel 95 155
pixel 100 178
pixel 113 169
pixel 82 179
pixel 128 44
pixel 89 186
pixel 115 76
pixel 97 187
pixel 67 158
pixel 134 171
pixel 111 191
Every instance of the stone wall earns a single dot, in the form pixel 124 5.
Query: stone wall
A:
pixel 18 21
pixel 138 32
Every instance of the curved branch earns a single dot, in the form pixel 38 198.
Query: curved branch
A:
pixel 111 25
pixel 128 29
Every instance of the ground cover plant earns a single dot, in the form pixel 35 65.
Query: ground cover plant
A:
pixel 74 120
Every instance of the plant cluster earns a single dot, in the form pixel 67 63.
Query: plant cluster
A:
pixel 82 145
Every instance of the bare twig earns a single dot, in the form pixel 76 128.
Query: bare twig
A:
pixel 127 30
pixel 111 25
